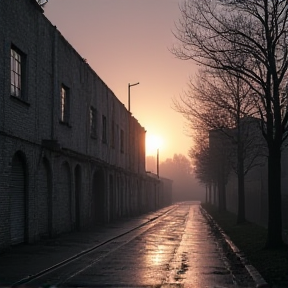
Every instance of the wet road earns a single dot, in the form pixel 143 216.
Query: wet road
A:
pixel 179 250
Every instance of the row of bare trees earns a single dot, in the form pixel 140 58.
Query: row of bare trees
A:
pixel 242 48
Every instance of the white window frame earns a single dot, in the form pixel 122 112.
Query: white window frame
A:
pixel 65 104
pixel 16 72
pixel 93 122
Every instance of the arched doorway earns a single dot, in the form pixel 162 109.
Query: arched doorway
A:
pixel 112 198
pixel 18 186
pixel 65 198
pixel 44 202
pixel 98 197
pixel 122 197
pixel 78 192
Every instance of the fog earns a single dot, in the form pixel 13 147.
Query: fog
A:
pixel 185 186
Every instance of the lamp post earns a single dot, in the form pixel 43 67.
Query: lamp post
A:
pixel 130 85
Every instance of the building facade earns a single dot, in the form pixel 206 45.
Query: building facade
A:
pixel 71 155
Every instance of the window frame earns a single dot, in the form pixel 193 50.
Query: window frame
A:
pixel 17 71
pixel 64 105
pixel 93 122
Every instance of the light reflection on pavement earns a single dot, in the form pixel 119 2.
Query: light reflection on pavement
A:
pixel 180 251
pixel 199 261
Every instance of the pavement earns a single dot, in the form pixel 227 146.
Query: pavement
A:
pixel 256 276
pixel 24 260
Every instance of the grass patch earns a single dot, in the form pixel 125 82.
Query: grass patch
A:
pixel 250 239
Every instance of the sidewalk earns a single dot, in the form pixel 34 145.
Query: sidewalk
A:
pixel 24 260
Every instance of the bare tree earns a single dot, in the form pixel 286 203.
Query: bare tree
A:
pixel 201 159
pixel 222 103
pixel 249 39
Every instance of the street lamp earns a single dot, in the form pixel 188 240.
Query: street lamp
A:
pixel 130 85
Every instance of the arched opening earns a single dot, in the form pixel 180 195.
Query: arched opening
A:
pixel 18 189
pixel 44 197
pixel 78 192
pixel 98 197
pixel 131 197
pixel 139 197
pixel 112 198
pixel 65 199
pixel 118 193
pixel 122 197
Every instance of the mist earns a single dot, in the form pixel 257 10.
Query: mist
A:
pixel 185 186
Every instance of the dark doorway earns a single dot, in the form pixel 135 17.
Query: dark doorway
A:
pixel 44 204
pixel 98 197
pixel 17 200
pixel 65 199
pixel 78 192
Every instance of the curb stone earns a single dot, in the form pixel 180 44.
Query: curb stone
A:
pixel 258 279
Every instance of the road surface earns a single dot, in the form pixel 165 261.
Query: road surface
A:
pixel 179 249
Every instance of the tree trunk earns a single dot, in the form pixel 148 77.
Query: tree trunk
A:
pixel 241 199
pixel 210 195
pixel 241 185
pixel 219 197
pixel 274 235
pixel 224 196
pixel 215 194
pixel 221 191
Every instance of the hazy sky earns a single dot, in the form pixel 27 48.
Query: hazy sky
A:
pixel 128 41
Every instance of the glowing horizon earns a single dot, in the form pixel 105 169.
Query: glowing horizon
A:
pixel 153 142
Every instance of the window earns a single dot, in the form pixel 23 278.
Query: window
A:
pixel 104 129
pixel 64 104
pixel 93 122
pixel 122 141
pixel 17 68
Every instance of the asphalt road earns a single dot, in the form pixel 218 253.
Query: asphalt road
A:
pixel 180 249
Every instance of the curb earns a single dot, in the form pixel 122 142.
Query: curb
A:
pixel 258 279
pixel 152 216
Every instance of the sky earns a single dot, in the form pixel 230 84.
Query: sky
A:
pixel 128 41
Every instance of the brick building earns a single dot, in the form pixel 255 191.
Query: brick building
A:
pixel 71 155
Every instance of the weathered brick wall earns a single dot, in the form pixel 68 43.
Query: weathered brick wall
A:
pixel 51 62
pixel 18 118
pixel 4 196
pixel 31 154
pixel 61 160
pixel 3 175
pixel 21 31
pixel 86 90
pixel 2 61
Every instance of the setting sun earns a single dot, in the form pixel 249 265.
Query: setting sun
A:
pixel 153 142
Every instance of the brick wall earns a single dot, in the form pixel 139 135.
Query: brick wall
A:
pixel 61 159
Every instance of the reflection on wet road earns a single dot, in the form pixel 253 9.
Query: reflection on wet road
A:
pixel 178 251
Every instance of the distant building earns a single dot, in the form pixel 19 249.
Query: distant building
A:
pixel 256 179
pixel 71 155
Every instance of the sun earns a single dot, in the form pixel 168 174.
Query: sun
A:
pixel 153 142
